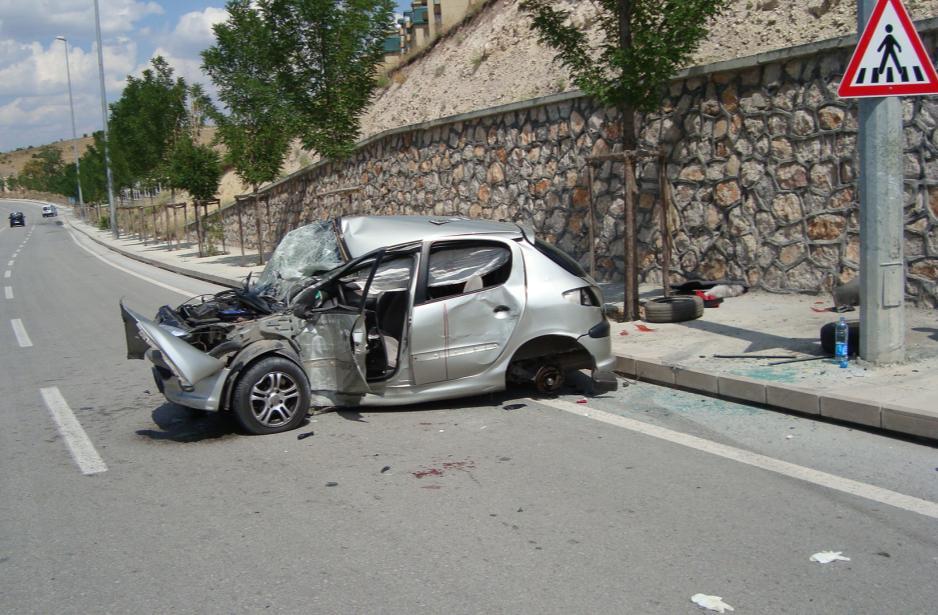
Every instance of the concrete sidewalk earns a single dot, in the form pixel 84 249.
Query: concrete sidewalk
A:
pixel 902 398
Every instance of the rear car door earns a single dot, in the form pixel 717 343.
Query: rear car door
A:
pixel 469 300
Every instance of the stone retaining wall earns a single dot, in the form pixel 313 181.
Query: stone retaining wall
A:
pixel 761 157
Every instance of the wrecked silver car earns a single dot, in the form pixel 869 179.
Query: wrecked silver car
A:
pixel 380 310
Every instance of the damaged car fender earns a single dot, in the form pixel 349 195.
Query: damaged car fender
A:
pixel 252 353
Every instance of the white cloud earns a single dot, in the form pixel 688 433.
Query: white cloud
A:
pixel 34 90
pixel 33 86
pixel 183 46
pixel 39 19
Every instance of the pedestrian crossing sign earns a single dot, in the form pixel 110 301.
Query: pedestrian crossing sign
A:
pixel 890 59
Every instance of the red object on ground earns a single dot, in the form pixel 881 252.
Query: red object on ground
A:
pixel 623 332
pixel 581 401
pixel 644 328
pixel 820 310
pixel 709 300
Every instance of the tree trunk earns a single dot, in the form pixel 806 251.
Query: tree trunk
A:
pixel 629 144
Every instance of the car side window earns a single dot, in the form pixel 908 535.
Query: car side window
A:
pixel 463 267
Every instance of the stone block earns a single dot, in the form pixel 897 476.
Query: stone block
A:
pixel 625 365
pixel 654 372
pixel 741 388
pixel 695 380
pixel 851 410
pixel 791 398
pixel 911 421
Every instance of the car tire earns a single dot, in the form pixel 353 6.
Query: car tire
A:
pixel 271 396
pixel 673 309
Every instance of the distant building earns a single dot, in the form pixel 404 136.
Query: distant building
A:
pixel 425 21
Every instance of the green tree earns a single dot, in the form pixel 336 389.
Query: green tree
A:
pixel 44 171
pixel 643 43
pixel 325 55
pixel 256 130
pixel 147 120
pixel 195 169
pixel 93 179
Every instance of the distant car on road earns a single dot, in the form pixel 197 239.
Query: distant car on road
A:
pixel 49 211
pixel 380 311
pixel 17 219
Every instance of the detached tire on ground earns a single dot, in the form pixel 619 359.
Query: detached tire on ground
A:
pixel 271 396
pixel 673 309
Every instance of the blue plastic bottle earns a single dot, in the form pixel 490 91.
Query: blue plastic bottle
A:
pixel 841 337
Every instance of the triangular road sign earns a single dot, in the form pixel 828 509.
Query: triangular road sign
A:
pixel 890 59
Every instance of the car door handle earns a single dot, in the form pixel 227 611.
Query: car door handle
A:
pixel 501 308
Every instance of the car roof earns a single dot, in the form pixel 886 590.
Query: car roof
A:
pixel 362 234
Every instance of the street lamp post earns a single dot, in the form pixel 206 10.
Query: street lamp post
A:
pixel 71 106
pixel 107 157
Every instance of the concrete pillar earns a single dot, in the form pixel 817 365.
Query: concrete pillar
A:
pixel 882 266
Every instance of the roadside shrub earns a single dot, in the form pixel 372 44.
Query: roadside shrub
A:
pixel 104 223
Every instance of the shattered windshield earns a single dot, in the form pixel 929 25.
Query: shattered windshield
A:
pixel 304 252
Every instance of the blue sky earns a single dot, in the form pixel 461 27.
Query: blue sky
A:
pixel 33 87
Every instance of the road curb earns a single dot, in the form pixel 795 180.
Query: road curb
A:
pixel 772 395
pixel 192 273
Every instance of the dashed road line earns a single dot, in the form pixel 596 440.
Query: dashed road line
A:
pixel 831 481
pixel 78 442
pixel 10 263
pixel 8 292
pixel 20 332
pixel 7 273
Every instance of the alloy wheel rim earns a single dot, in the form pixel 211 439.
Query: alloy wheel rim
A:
pixel 275 399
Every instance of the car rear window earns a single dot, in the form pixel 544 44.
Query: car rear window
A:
pixel 559 257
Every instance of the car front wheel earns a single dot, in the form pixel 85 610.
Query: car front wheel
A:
pixel 271 396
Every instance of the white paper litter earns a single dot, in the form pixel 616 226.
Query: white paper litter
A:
pixel 789 437
pixel 711 603
pixel 826 557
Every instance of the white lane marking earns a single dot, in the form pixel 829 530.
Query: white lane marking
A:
pixel 126 270
pixel 831 481
pixel 7 273
pixel 20 332
pixel 80 446
pixel 8 292
pixel 10 263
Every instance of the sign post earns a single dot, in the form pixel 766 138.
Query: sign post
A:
pixel 889 61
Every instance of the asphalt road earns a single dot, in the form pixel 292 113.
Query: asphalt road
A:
pixel 499 504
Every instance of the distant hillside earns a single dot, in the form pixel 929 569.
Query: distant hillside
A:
pixel 11 163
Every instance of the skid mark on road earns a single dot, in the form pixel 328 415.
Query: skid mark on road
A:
pixel 79 445
pixel 831 481
pixel 20 332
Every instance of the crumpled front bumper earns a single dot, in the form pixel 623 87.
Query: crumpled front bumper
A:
pixel 205 394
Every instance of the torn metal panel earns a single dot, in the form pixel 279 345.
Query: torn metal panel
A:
pixel 189 363
pixel 326 350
